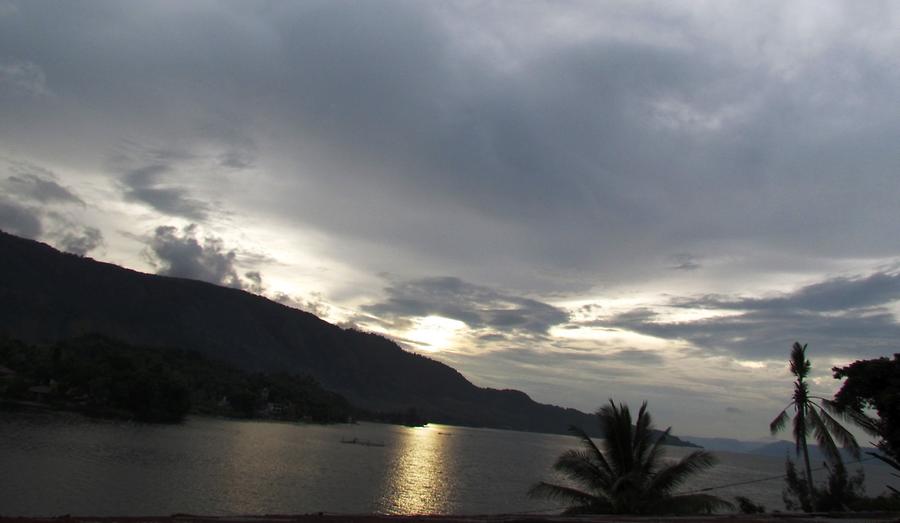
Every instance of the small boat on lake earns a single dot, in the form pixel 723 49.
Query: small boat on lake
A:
pixel 363 442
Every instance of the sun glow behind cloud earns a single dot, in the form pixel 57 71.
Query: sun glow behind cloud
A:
pixel 434 333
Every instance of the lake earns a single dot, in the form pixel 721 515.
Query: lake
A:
pixel 60 463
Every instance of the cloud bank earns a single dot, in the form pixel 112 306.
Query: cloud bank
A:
pixel 719 179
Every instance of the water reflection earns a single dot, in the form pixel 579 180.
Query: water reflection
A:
pixel 247 479
pixel 51 466
pixel 417 481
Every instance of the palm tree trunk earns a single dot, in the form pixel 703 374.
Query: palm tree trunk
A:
pixel 809 478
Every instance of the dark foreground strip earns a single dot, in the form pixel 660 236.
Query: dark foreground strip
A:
pixel 511 518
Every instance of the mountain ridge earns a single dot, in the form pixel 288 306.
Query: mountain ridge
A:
pixel 777 448
pixel 47 295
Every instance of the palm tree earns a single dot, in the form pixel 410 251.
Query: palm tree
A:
pixel 629 475
pixel 810 416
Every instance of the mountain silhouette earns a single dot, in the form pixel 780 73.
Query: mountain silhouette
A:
pixel 47 296
pixel 781 448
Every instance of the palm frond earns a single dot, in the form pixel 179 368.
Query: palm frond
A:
pixel 642 437
pixel 580 467
pixel 841 434
pixel 823 437
pixel 615 421
pixel 869 425
pixel 857 417
pixel 627 483
pixel 561 493
pixel 672 476
pixel 886 459
pixel 779 422
pixel 831 406
pixel 589 444
pixel 654 457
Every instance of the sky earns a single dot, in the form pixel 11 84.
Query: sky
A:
pixel 645 201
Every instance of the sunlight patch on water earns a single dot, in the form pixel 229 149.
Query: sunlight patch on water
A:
pixel 418 479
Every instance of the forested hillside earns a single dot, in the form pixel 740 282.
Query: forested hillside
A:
pixel 47 296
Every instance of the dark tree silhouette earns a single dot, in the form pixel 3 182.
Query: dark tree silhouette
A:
pixel 874 384
pixel 106 377
pixel 627 474
pixel 810 416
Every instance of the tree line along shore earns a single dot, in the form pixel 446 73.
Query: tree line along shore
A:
pixel 103 377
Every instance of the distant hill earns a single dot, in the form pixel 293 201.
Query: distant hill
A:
pixel 47 296
pixel 787 448
pixel 725 444
pixel 777 449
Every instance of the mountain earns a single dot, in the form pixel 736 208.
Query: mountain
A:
pixel 725 444
pixel 781 448
pixel 47 296
pixel 777 449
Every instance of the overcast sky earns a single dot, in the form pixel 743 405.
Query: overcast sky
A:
pixel 637 200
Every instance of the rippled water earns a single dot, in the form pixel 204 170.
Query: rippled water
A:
pixel 52 464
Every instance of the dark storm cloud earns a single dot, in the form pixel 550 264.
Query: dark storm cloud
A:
pixel 839 316
pixel 41 190
pixel 467 143
pixel 19 220
pixel 47 214
pixel 38 184
pixel 183 255
pixel 540 150
pixel 81 241
pixel 31 182
pixel 145 184
pixel 475 305
pixel 685 262
pixel 831 295
pixel 560 146
pixel 254 282
pixel 769 334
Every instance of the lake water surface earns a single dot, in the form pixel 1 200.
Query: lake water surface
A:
pixel 53 464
